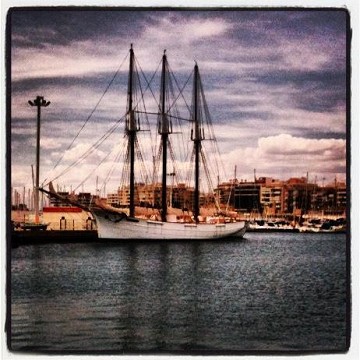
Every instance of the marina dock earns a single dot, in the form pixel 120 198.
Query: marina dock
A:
pixel 52 236
pixel 62 226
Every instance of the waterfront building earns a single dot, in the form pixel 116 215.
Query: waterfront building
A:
pixel 263 197
pixel 113 199
pixel 331 200
pixel 297 196
pixel 149 195
pixel 225 192
pixel 145 195
pixel 247 197
pixel 182 197
pixel 341 195
pixel 271 197
pixel 57 202
pixel 85 198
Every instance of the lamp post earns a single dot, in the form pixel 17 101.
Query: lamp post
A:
pixel 38 102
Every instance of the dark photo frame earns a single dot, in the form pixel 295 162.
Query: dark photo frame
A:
pixel 246 251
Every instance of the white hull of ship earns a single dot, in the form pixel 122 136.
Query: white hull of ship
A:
pixel 141 229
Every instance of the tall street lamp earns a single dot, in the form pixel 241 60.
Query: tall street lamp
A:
pixel 38 102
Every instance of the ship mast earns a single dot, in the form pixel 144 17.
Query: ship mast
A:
pixel 164 130
pixel 196 138
pixel 131 130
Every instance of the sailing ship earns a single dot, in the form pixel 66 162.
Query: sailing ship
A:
pixel 116 224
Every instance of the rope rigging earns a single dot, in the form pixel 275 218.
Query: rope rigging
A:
pixel 92 112
pixel 91 173
pixel 178 139
pixel 143 170
pixel 148 83
pixel 126 167
pixel 208 177
pixel 111 171
pixel 89 151
pixel 210 127
pixel 104 137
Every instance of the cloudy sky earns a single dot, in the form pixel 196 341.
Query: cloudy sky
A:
pixel 275 83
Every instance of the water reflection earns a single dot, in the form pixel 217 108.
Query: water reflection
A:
pixel 161 295
pixel 263 294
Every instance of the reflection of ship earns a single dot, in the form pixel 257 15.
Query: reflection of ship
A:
pixel 113 223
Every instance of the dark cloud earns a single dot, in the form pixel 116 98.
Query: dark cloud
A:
pixel 318 133
pixel 322 92
pixel 305 22
pixel 38 28
pixel 256 28
pixel 224 115
pixel 253 80
pixel 324 22
pixel 97 81
pixel 318 91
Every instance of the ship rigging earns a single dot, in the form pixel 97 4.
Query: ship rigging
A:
pixel 117 224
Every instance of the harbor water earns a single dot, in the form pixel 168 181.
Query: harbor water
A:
pixel 267 292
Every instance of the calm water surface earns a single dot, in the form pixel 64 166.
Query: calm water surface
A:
pixel 268 292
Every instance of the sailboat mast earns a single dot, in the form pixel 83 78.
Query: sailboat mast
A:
pixel 164 130
pixel 131 132
pixel 197 145
pixel 164 140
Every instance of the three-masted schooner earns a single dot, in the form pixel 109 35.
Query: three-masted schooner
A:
pixel 114 224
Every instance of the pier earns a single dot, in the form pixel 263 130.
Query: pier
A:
pixel 63 225
pixel 52 236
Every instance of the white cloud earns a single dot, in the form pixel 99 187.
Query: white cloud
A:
pixel 287 145
pixel 76 59
pixel 283 156
pixel 80 59
pixel 184 32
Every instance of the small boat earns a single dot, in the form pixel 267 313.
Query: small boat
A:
pixel 32 226
pixel 261 225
